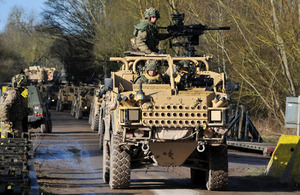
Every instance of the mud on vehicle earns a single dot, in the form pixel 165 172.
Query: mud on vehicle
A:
pixel 65 97
pixel 39 117
pixel 166 124
pixel 82 101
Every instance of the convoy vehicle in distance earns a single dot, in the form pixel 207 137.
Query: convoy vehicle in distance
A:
pixel 39 117
pixel 82 101
pixel 165 124
pixel 65 97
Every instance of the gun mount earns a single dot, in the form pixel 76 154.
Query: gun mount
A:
pixel 191 32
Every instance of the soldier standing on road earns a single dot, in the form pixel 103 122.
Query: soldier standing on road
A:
pixel 14 108
pixel 151 75
pixel 146 33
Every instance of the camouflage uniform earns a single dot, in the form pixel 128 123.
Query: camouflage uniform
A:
pixel 145 78
pixel 146 33
pixel 13 108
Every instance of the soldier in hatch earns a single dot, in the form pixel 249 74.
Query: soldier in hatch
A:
pixel 151 74
pixel 146 33
pixel 14 108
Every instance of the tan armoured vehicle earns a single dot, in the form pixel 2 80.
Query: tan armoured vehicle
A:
pixel 176 123
pixel 52 75
pixel 36 74
pixel 65 97
pixel 82 101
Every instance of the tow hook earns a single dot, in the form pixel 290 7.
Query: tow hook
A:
pixel 145 147
pixel 200 147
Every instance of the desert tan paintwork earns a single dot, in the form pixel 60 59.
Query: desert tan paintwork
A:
pixel 167 120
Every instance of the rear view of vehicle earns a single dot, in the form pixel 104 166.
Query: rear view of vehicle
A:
pixel 39 116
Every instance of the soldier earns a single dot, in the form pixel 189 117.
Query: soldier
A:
pixel 151 74
pixel 14 108
pixel 146 33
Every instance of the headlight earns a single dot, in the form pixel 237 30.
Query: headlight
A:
pixel 215 116
pixel 130 116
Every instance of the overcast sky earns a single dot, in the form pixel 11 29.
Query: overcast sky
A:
pixel 29 6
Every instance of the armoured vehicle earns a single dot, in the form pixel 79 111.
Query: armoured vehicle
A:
pixel 166 124
pixel 82 101
pixel 40 117
pixel 52 75
pixel 181 120
pixel 65 97
pixel 36 74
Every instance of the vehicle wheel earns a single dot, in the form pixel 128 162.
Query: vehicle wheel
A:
pixel 78 113
pixel 57 105
pixel 43 128
pixel 49 124
pixel 91 115
pixel 106 160
pixel 61 106
pixel 119 164
pixel 101 134
pixel 217 176
pixel 95 123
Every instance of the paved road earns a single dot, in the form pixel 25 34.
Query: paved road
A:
pixel 68 161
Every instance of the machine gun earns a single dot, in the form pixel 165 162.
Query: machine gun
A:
pixel 192 32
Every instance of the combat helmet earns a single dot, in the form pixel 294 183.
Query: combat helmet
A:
pixel 184 66
pixel 151 12
pixel 151 65
pixel 19 80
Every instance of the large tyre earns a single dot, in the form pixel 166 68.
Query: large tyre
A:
pixel 78 113
pixel 106 160
pixel 73 108
pixel 57 105
pixel 61 106
pixel 95 122
pixel 91 114
pixel 119 164
pixel 49 124
pixel 101 134
pixel 217 175
pixel 49 127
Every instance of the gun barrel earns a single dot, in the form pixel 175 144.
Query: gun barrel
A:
pixel 218 28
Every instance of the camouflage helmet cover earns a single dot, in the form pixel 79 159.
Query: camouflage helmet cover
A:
pixel 184 63
pixel 151 12
pixel 19 80
pixel 151 65
pixel 184 66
